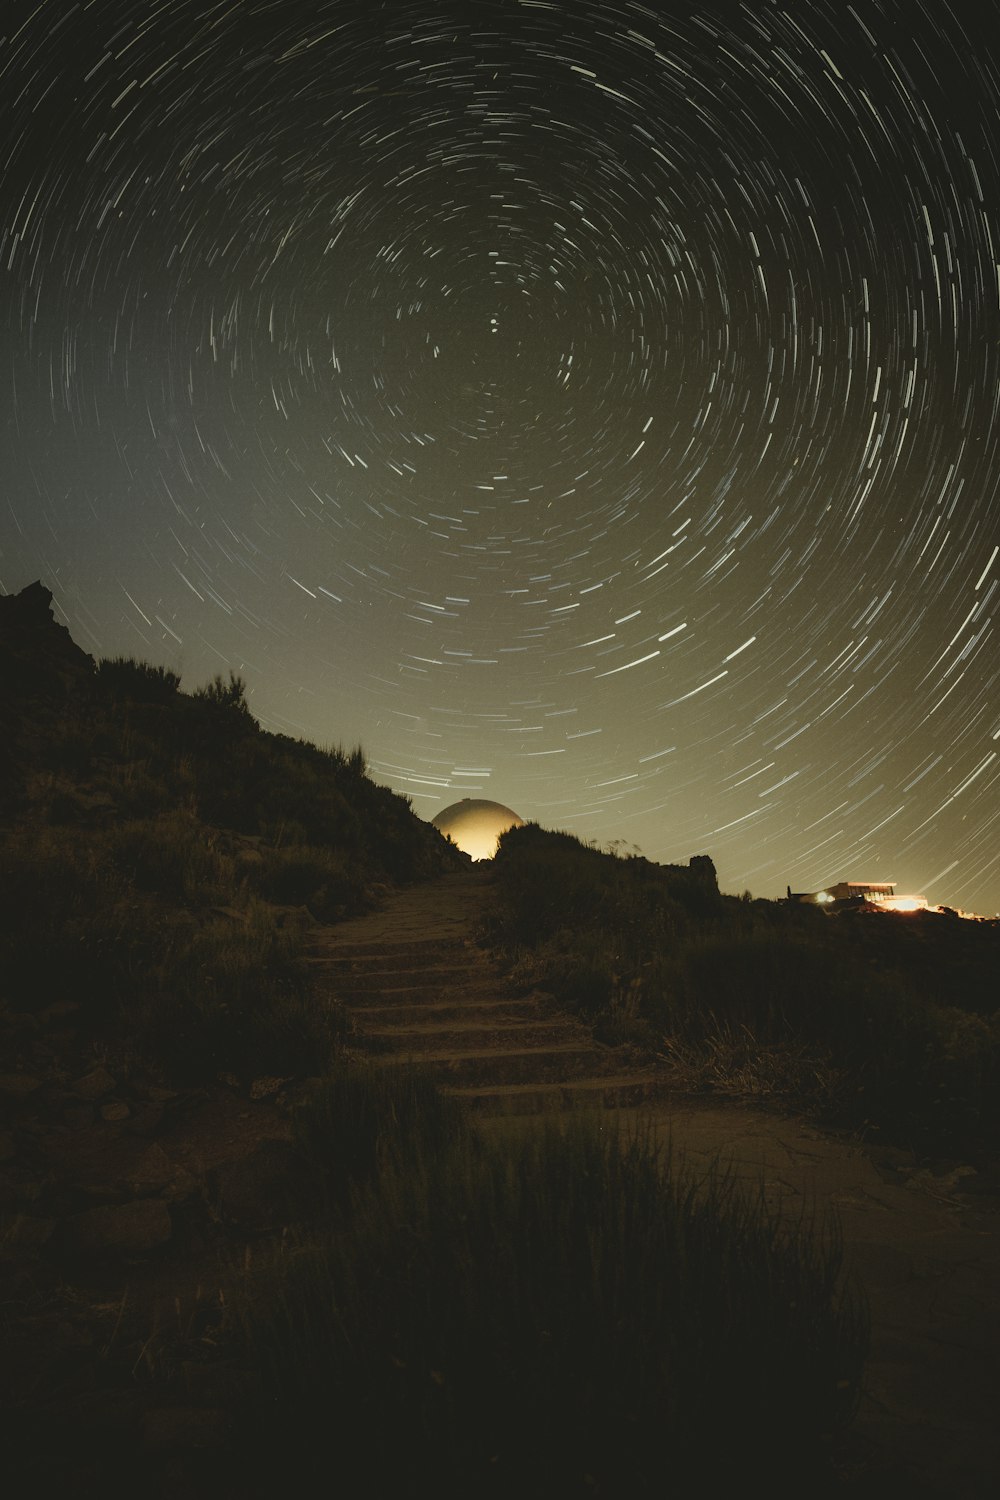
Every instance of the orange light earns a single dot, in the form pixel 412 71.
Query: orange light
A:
pixel 902 903
pixel 475 825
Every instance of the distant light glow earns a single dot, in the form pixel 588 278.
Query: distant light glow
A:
pixel 476 825
pixel 902 903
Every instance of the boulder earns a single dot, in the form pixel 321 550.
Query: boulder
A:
pixel 17 1086
pixel 159 1095
pixel 79 1116
pixel 155 1173
pixel 267 1087
pixel 146 1119
pixel 152 1172
pixel 132 1228
pixel 23 1235
pixel 264 1189
pixel 114 1111
pixel 181 1187
pixel 94 1085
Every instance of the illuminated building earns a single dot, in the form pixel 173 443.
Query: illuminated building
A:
pixel 860 895
pixel 475 825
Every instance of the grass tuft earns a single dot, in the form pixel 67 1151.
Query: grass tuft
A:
pixel 558 1314
pixel 360 1120
pixel 125 677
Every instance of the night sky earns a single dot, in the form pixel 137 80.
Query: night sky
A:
pixel 584 406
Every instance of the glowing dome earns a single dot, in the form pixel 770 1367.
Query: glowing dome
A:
pixel 475 825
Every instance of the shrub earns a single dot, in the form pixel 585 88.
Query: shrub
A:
pixel 354 761
pixel 304 875
pixel 227 695
pixel 881 1052
pixel 234 998
pixel 174 856
pixel 124 677
pixel 361 1119
pixel 94 916
pixel 63 904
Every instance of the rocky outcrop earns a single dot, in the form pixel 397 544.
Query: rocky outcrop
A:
pixel 42 671
pixel 38 657
pixel 702 869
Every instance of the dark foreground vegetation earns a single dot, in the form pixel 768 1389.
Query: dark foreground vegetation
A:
pixel 883 1022
pixel 236 1258
pixel 549 1313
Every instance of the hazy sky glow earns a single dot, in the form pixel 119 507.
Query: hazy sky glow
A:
pixel 586 407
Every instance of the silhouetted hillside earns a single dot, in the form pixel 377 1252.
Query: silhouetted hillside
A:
pixel 161 846
pixel 88 743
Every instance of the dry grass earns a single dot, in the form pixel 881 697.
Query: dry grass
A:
pixel 557 1314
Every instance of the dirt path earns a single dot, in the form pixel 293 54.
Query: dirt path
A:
pixel 926 1245
pixel 927 1251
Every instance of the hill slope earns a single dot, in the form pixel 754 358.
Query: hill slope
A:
pixel 160 849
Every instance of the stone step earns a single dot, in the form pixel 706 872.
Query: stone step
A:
pixel 403 1014
pixel 477 1067
pixel 451 977
pixel 402 994
pixel 464 1036
pixel 606 1092
pixel 420 952
pixel 391 963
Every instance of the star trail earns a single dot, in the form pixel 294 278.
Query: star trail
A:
pixel 589 407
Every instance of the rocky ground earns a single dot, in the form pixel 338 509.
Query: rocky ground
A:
pixel 128 1209
pixel 124 1207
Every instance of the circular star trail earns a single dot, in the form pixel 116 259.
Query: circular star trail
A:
pixel 584 406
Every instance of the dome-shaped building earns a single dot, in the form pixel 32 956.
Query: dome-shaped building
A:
pixel 476 825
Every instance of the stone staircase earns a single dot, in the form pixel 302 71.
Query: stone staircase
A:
pixel 414 980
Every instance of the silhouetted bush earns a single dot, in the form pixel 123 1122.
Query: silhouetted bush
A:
pixel 229 695
pixel 175 856
pixel 305 875
pixel 125 677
